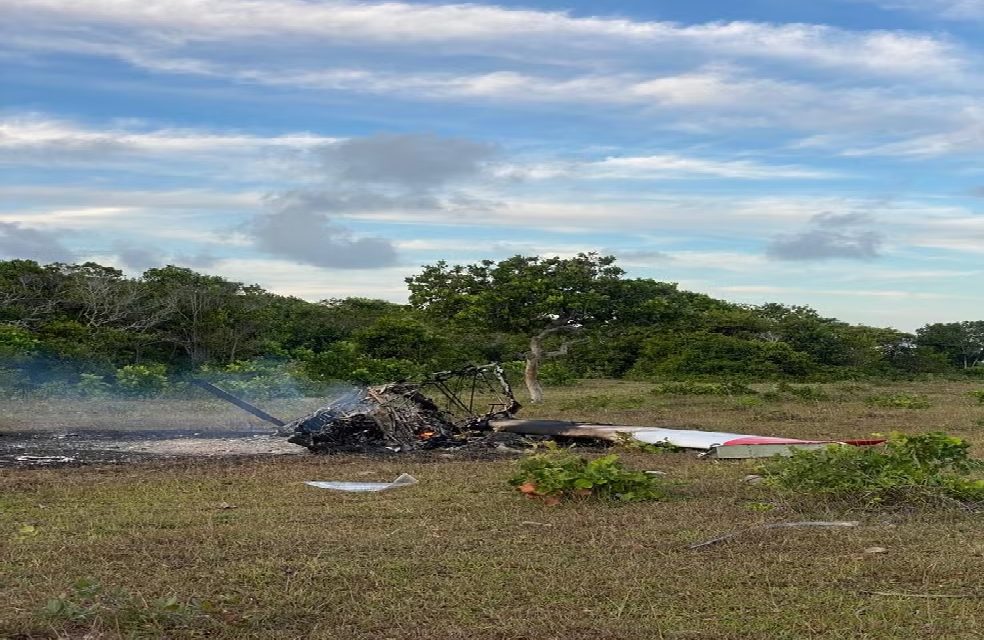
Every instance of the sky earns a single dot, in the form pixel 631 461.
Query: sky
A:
pixel 818 152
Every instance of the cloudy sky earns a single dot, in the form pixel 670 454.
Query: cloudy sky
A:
pixel 821 152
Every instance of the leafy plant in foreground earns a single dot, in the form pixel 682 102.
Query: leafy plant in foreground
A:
pixel 557 474
pixel 978 394
pixel 906 469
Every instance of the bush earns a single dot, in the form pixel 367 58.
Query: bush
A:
pixel 979 395
pixel 91 385
pixel 142 380
pixel 343 362
pixel 557 474
pixel 714 355
pixel 906 469
pixel 259 379
pixel 900 401
pixel 552 374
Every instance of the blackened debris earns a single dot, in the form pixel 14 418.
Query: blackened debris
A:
pixel 440 411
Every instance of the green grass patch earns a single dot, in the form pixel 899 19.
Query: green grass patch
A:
pixel 687 388
pixel 900 400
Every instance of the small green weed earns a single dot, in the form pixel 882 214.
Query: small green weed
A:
pixel 556 474
pixel 760 506
pixel 900 400
pixel 88 603
pixel 906 469
pixel 749 402
pixel 978 394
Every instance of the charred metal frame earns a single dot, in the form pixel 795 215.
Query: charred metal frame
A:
pixel 454 386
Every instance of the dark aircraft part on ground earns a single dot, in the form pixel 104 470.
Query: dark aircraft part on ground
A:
pixel 443 410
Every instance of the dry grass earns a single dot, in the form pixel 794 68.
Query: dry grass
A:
pixel 138 414
pixel 462 556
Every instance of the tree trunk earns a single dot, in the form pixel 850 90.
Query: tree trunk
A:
pixel 532 374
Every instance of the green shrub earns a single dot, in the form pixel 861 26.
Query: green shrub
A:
pixel 142 379
pixel 906 469
pixel 552 373
pixel 557 374
pixel 979 395
pixel 15 342
pixel 688 388
pixel 557 474
pixel 715 355
pixel 91 385
pixel 900 400
pixel 343 362
pixel 260 379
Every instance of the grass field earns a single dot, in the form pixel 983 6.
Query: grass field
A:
pixel 242 549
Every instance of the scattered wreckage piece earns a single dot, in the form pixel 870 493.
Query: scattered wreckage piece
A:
pixel 775 525
pixel 239 402
pixel 440 411
pixel 403 480
pixel 717 444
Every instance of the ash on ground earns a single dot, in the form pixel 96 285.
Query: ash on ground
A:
pixel 99 446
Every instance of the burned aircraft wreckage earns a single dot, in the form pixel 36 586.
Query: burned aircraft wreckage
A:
pixel 475 406
pixel 444 410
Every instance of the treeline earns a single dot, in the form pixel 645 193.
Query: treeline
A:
pixel 89 327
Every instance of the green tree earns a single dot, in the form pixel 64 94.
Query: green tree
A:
pixel 538 298
pixel 961 342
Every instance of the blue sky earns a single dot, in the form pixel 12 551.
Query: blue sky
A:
pixel 824 153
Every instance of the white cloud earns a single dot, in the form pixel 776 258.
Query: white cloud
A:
pixel 315 283
pixel 56 138
pixel 656 167
pixel 853 88
pixel 671 164
pixel 951 9
pixel 486 28
pixel 888 120
pixel 42 197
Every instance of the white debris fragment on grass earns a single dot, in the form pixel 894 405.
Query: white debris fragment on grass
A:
pixel 403 480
